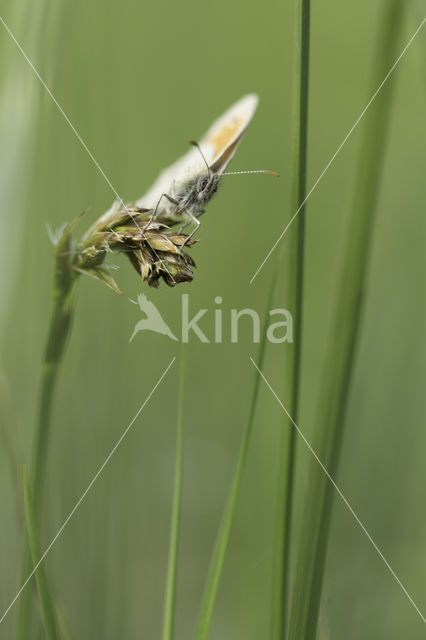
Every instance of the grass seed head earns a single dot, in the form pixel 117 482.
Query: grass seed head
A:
pixel 154 251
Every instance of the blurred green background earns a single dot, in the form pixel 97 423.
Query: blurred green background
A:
pixel 138 80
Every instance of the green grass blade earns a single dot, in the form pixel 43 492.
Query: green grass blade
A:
pixel 47 607
pixel 63 288
pixel 222 539
pixel 170 600
pixel 65 632
pixel 294 253
pixel 342 345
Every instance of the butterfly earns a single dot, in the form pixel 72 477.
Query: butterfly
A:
pixel 183 190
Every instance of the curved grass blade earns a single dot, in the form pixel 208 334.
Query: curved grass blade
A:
pixel 63 288
pixel 294 254
pixel 47 607
pixel 170 601
pixel 342 345
pixel 222 539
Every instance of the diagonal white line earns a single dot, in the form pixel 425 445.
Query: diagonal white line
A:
pixel 79 138
pixel 339 148
pixel 339 492
pixel 86 491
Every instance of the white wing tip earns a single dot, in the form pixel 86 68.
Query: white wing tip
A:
pixel 245 107
pixel 251 96
pixel 249 101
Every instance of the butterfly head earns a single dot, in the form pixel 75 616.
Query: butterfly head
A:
pixel 198 191
pixel 206 186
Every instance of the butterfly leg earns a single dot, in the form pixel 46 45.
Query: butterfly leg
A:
pixel 154 213
pixel 188 223
pixel 195 221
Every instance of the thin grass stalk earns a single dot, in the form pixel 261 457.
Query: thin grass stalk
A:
pixel 170 600
pixel 222 538
pixel 59 327
pixel 47 607
pixel 115 231
pixel 294 290
pixel 346 325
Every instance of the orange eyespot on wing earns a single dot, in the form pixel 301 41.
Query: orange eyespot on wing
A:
pixel 224 135
pixel 219 165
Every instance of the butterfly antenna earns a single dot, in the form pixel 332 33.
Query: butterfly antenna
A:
pixel 267 171
pixel 195 144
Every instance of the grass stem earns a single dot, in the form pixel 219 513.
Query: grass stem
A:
pixel 222 539
pixel 294 251
pixel 59 327
pixel 170 600
pixel 47 608
pixel 346 324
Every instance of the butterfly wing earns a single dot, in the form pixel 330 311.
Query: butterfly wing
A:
pixel 222 139
pixel 190 161
pixel 218 145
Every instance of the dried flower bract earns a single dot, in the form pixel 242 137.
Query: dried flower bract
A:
pixel 153 249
